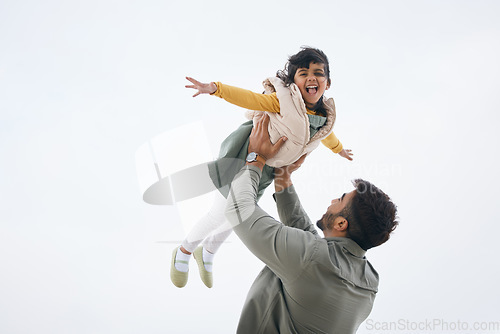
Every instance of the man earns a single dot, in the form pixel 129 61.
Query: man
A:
pixel 310 284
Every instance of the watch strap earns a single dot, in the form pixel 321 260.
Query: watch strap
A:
pixel 255 157
pixel 260 159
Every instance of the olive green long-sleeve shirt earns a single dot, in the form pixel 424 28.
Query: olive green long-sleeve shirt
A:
pixel 309 284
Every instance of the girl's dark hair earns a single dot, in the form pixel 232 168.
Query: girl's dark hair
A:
pixel 302 59
pixel 371 215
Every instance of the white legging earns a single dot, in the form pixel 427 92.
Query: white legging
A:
pixel 213 228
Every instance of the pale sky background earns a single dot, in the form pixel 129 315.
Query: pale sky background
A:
pixel 83 84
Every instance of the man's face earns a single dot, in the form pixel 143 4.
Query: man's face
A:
pixel 334 210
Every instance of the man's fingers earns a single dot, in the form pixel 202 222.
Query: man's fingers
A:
pixel 261 117
pixel 265 120
pixel 296 165
pixel 261 122
pixel 301 160
pixel 279 143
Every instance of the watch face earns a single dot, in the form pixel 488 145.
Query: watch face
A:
pixel 252 156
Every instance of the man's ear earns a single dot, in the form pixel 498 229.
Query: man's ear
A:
pixel 340 224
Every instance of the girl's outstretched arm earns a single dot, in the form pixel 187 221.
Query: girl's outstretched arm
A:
pixel 238 96
pixel 334 144
pixel 203 88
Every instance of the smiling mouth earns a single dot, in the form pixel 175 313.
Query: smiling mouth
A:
pixel 312 89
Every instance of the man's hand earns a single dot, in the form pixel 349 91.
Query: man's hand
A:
pixel 203 88
pixel 260 142
pixel 282 175
pixel 346 154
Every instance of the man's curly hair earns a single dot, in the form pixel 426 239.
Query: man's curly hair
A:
pixel 371 215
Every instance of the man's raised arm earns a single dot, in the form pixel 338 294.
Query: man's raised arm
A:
pixel 280 247
pixel 287 201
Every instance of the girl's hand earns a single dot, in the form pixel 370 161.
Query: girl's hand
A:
pixel 202 88
pixel 346 154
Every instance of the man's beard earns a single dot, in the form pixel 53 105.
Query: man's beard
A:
pixel 326 221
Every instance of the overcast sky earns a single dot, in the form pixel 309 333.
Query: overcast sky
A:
pixel 83 84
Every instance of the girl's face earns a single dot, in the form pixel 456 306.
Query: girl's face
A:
pixel 312 83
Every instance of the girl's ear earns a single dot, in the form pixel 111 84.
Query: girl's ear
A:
pixel 328 83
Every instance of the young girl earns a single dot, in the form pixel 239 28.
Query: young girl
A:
pixel 298 110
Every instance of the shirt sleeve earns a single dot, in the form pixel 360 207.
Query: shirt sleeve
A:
pixel 247 99
pixel 286 250
pixel 291 212
pixel 333 143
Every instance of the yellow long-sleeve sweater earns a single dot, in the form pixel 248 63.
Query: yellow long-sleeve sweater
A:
pixel 265 102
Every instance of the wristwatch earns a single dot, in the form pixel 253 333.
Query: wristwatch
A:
pixel 252 157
